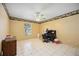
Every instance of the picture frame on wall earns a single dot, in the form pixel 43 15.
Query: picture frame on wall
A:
pixel 28 28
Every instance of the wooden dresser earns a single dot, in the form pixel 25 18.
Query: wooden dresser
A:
pixel 9 47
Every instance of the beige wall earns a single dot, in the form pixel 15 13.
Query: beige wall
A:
pixel 67 29
pixel 17 29
pixel 4 24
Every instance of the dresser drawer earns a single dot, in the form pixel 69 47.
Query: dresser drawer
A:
pixel 9 47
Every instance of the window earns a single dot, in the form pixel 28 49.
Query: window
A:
pixel 28 29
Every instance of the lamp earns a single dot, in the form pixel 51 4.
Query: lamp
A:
pixel 39 16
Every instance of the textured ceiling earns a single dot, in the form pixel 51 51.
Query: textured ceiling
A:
pixel 47 10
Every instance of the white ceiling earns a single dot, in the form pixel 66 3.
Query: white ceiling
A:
pixel 49 10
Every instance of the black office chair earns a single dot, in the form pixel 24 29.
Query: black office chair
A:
pixel 50 35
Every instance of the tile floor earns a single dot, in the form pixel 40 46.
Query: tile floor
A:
pixel 35 47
